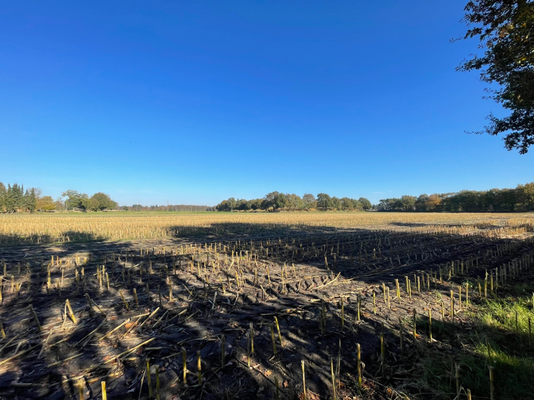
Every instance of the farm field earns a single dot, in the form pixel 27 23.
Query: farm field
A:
pixel 268 306
pixel 80 227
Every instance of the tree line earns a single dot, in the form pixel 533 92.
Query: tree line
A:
pixel 178 207
pixel 276 201
pixel 14 198
pixel 494 200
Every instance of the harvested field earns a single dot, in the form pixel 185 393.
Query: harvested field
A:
pixel 241 306
pixel 79 227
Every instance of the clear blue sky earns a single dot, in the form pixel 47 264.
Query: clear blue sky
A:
pixel 194 102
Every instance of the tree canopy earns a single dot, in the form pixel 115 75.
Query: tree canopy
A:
pixel 101 201
pixel 46 203
pixel 276 201
pixel 82 202
pixel 76 200
pixel 494 200
pixel 505 29
pixel 14 198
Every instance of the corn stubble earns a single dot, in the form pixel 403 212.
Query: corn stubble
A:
pixel 133 296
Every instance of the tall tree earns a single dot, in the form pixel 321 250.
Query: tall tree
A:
pixel 309 201
pixel 45 203
pixel 231 203
pixel 3 192
pixel 408 202
pixel 243 205
pixel 346 204
pixel 280 201
pixel 489 199
pixel 14 199
pixel 507 199
pixel 421 203
pixel 255 204
pixel 101 201
pixel 222 206
pixel 274 200
pixel 324 201
pixel 366 204
pixel 336 203
pixel 358 205
pixel 505 29
pixel 525 195
pixel 30 200
pixel 434 202
pixel 76 200
pixel 294 202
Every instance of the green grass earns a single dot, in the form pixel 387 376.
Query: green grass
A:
pixel 494 339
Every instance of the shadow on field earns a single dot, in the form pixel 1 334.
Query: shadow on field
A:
pixel 370 256
pixel 47 354
pixel 247 302
pixel 44 358
pixel 40 239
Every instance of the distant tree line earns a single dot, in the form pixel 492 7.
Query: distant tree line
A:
pixel 276 201
pixel 494 200
pixel 14 198
pixel 180 207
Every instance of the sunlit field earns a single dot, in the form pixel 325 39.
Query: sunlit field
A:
pixel 60 228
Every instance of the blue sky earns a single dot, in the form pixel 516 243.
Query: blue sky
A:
pixel 194 102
